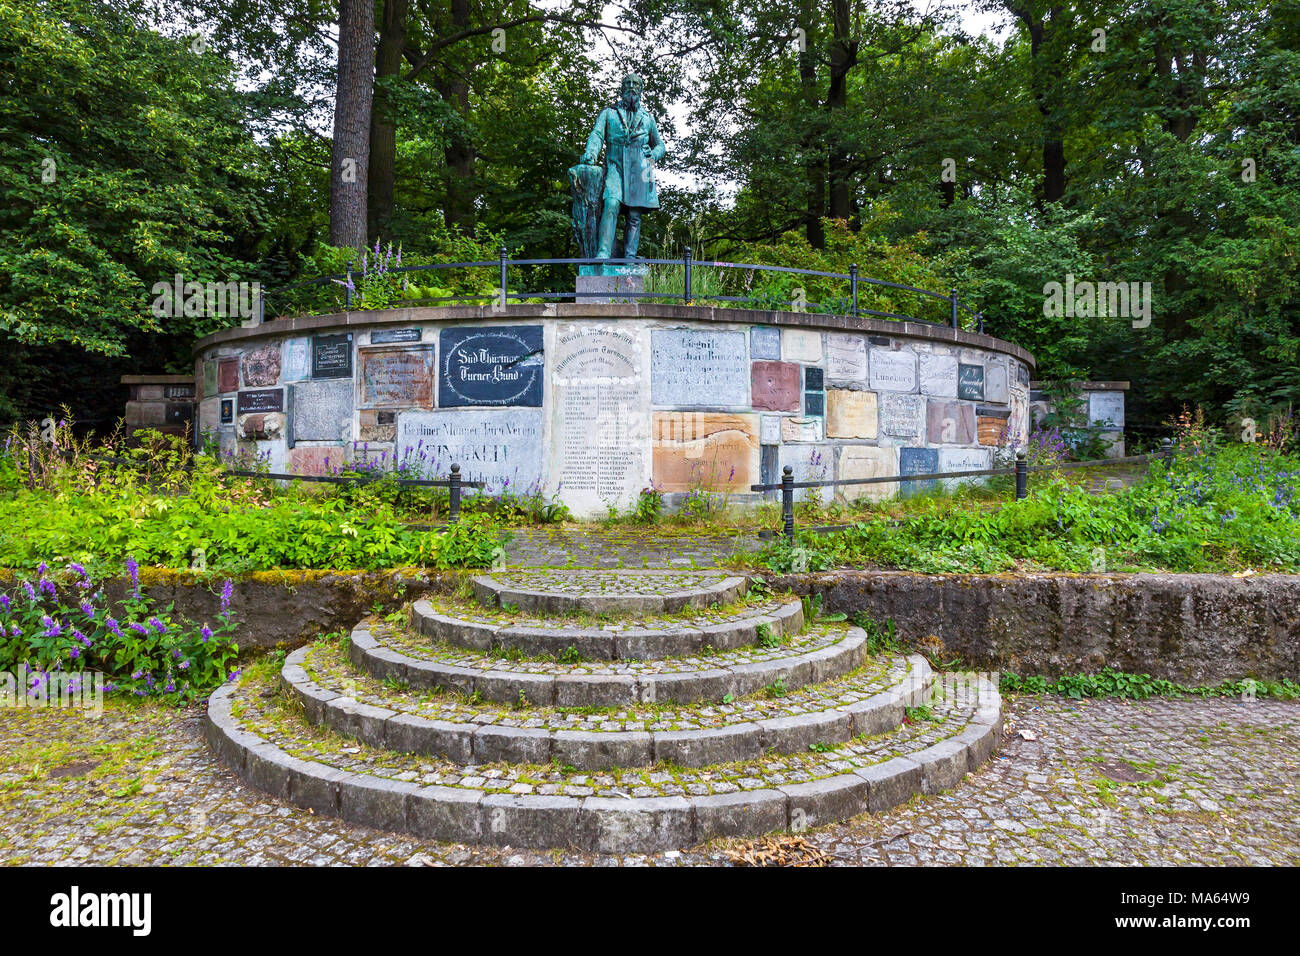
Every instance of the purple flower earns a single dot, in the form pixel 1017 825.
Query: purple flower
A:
pixel 185 665
pixel 74 566
pixel 206 632
pixel 171 686
pixel 137 675
pixel 133 570
pixel 157 625
pixel 87 609
pixel 16 631
pixel 177 653
pixel 51 628
pixel 4 601
pixel 113 626
pixel 74 653
pixel 42 568
pixel 138 628
pixel 227 590
pixel 31 591
pixel 48 587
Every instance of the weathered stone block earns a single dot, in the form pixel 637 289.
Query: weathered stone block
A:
pixel 775 386
pixel 712 450
pixel 851 414
pixel 865 461
pixel 950 423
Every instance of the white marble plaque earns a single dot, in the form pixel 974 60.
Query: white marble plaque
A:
pixel 801 345
pixel 801 429
pixel 964 459
pixel 296 365
pixel 901 415
pixel 938 374
pixel 769 430
pixel 322 411
pixel 502 447
pixel 600 425
pixel 698 368
pixel 893 371
pixel 1106 406
pixel 846 357
pixel 995 384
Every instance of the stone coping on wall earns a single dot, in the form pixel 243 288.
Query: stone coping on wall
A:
pixel 585 310
pixel 1038 386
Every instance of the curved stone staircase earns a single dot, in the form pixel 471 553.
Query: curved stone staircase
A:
pixel 607 711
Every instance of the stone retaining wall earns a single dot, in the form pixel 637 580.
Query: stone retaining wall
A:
pixel 1192 628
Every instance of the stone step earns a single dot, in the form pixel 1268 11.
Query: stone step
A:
pixel 545 591
pixel 644 637
pixel 818 654
pixel 267 743
pixel 869 701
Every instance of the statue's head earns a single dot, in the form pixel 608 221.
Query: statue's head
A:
pixel 630 92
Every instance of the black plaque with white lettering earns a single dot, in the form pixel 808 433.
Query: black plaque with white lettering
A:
pixel 261 400
pixel 227 411
pixel 495 365
pixel 331 356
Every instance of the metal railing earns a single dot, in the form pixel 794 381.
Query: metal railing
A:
pixel 503 295
pixel 1021 470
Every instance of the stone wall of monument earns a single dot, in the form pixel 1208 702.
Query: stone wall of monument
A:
pixel 595 402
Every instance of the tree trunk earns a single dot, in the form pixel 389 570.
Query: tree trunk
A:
pixel 813 148
pixel 383 119
pixel 461 193
pixel 350 155
pixel 844 55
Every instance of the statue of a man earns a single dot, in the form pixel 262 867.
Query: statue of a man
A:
pixel 632 147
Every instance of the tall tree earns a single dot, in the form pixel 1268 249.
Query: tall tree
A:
pixel 353 98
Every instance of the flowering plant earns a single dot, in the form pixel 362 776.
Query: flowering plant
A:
pixel 68 626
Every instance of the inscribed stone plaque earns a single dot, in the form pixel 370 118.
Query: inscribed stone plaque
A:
pixel 801 345
pixel 938 374
pixel 950 423
pixel 322 411
pixel 261 400
pixel 865 461
pixel 493 365
pixel 776 386
pixel 331 356
pixel 502 448
pixel 179 392
pixel 316 459
pixel 850 414
pixel 227 411
pixel 396 378
pixel 846 357
pixel 710 450
pixel 970 382
pixel 1106 406
pixel 901 415
pixel 809 463
pixel 1018 426
pixel 764 342
pixel 378 425
pixel 702 368
pixel 917 461
pixel 801 429
pixel 209 379
pixel 893 371
pixel 1022 374
pixel 770 430
pixel 814 379
pixel 295 365
pixel 179 413
pixel 814 403
pixel 384 336
pixel 600 427
pixel 995 384
pixel 228 375
pixel 262 366
pixel 964 459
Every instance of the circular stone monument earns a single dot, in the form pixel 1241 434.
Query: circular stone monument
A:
pixel 591 403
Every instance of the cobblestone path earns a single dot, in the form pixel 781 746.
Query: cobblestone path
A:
pixel 1091 782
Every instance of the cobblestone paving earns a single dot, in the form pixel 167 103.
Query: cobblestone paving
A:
pixel 583 583
pixel 595 547
pixel 692 617
pixel 139 786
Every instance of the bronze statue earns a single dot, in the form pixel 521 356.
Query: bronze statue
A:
pixel 632 146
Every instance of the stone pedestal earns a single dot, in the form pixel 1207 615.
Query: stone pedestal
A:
pixel 607 289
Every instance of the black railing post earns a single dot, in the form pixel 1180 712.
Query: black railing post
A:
pixel 686 285
pixel 1022 476
pixel 787 502
pixel 504 256
pixel 954 308
pixel 347 289
pixel 853 285
pixel 980 318
pixel 453 506
pixel 261 305
pixel 1167 452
